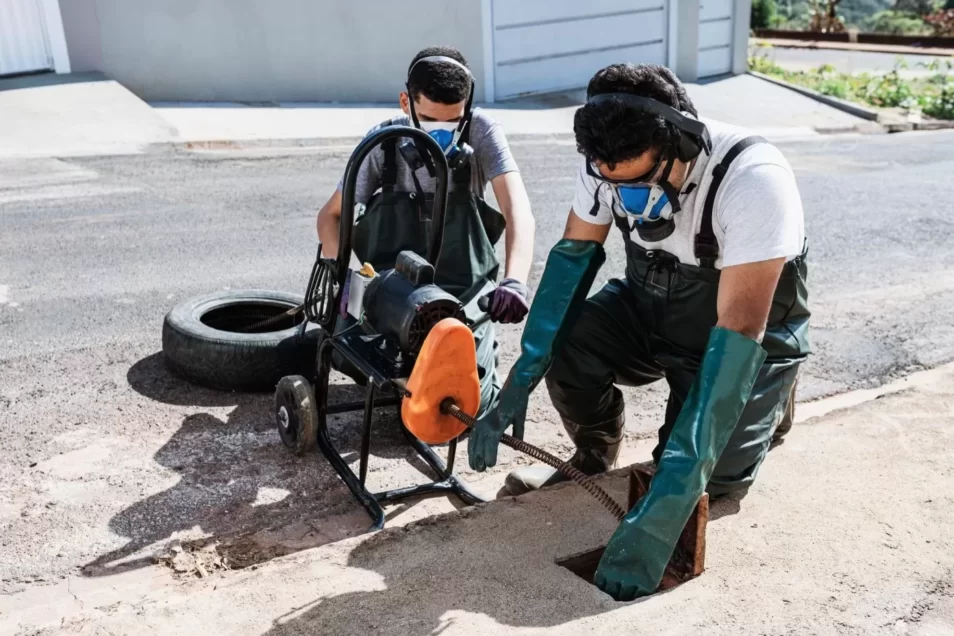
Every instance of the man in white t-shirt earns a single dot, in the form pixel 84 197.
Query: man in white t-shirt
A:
pixel 714 301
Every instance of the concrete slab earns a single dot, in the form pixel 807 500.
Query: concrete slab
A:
pixel 77 114
pixel 847 531
pixel 89 114
pixel 770 110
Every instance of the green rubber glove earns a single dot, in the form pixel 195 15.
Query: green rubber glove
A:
pixel 638 552
pixel 569 274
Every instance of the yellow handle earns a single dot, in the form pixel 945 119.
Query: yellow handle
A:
pixel 367 271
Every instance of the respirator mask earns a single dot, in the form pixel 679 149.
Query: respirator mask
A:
pixel 447 134
pixel 649 202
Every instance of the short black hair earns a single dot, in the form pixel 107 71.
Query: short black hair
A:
pixel 612 132
pixel 439 81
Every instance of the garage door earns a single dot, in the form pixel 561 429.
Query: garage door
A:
pixel 544 46
pixel 715 37
pixel 23 45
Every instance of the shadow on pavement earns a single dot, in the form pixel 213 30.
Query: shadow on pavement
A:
pixel 488 568
pixel 239 486
pixel 39 80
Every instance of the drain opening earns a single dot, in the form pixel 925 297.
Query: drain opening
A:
pixel 583 565
pixel 688 558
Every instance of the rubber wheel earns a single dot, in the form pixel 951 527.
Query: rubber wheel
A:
pixel 203 340
pixel 295 414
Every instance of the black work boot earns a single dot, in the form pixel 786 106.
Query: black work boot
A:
pixel 597 446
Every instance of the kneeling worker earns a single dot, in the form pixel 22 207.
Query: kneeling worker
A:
pixel 399 196
pixel 714 301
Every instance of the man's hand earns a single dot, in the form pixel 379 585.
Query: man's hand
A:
pixel 511 408
pixel 508 303
pixel 613 581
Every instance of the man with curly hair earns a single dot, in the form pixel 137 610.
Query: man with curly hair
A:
pixel 713 300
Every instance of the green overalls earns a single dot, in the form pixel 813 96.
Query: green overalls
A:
pixel 655 324
pixel 467 267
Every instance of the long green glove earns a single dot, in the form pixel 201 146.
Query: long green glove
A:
pixel 569 274
pixel 638 552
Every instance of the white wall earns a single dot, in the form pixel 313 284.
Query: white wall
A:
pixel 267 50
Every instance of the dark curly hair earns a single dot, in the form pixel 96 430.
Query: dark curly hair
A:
pixel 439 81
pixel 612 132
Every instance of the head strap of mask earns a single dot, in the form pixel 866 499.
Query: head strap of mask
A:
pixel 692 136
pixel 691 139
pixel 443 59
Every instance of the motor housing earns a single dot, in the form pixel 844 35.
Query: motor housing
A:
pixel 397 307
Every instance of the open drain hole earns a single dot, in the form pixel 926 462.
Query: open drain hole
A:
pixel 688 558
pixel 584 564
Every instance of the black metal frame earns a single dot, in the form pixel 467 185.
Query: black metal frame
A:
pixel 370 354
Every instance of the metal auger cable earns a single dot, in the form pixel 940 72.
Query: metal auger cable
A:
pixel 449 408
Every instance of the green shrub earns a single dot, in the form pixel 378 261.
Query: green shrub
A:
pixel 889 91
pixel 934 95
pixel 895 23
pixel 941 104
pixel 764 14
pixel 834 87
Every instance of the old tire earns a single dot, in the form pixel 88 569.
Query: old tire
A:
pixel 203 341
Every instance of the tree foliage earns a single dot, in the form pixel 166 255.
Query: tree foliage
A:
pixel 895 23
pixel 915 7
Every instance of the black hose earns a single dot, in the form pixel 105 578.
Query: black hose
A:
pixel 449 408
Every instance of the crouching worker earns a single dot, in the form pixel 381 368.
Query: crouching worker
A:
pixel 399 197
pixel 713 300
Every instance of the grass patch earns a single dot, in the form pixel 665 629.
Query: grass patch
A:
pixel 932 95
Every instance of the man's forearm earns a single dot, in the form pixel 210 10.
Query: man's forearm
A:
pixel 328 232
pixel 329 225
pixel 514 204
pixel 519 245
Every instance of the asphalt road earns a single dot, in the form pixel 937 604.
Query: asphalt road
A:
pixel 103 453
pixel 802 59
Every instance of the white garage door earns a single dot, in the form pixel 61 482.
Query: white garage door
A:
pixel 23 45
pixel 715 37
pixel 552 45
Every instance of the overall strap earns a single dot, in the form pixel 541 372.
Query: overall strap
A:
pixel 706 245
pixel 461 176
pixel 389 169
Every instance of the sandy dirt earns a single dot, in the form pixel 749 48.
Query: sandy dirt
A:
pixel 847 531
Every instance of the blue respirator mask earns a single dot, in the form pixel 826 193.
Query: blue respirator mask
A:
pixel 451 136
pixel 443 132
pixel 649 203
pixel 448 134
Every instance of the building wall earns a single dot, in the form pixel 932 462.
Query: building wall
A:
pixel 266 50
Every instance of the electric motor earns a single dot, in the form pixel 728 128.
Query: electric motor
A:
pixel 396 307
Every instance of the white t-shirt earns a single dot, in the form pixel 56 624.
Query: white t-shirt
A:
pixel 757 215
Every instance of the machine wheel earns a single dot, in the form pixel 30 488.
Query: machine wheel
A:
pixel 204 340
pixel 296 414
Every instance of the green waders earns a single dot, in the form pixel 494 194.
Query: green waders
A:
pixel 655 324
pixel 467 267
